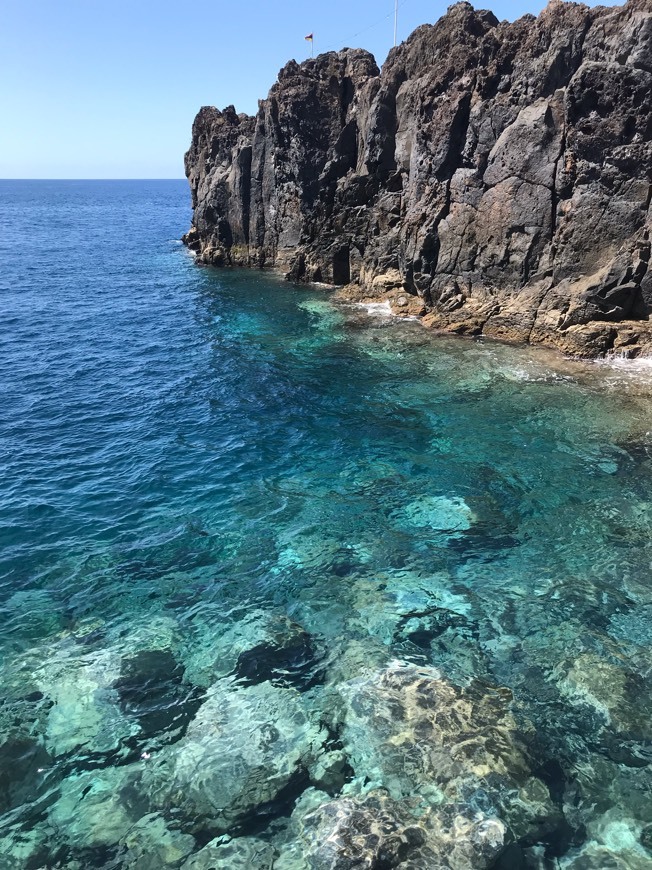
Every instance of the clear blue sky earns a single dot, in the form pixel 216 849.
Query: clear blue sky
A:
pixel 109 88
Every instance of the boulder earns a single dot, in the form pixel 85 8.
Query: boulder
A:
pixel 93 810
pixel 151 845
pixel 374 831
pixel 257 647
pixel 408 730
pixel 241 853
pixel 245 749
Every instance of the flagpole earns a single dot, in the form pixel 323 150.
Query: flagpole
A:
pixel 395 20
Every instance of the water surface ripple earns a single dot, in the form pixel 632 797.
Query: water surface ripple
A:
pixel 283 581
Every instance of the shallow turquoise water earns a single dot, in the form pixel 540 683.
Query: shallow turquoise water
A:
pixel 215 485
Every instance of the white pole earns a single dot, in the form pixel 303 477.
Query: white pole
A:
pixel 395 20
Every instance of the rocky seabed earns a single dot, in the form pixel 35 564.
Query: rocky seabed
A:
pixel 383 738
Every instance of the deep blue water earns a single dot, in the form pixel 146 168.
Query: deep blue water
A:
pixel 215 481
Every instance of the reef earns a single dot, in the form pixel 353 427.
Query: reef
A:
pixel 492 178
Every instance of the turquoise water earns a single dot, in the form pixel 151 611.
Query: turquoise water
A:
pixel 241 525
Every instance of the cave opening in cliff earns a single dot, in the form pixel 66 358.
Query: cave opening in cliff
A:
pixel 342 266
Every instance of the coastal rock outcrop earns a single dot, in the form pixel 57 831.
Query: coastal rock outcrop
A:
pixel 494 177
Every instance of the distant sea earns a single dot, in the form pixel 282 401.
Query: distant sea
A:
pixel 218 488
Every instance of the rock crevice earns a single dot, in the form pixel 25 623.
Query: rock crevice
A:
pixel 499 173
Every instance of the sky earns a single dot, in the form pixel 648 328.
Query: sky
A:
pixel 109 88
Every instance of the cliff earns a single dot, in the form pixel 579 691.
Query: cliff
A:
pixel 493 177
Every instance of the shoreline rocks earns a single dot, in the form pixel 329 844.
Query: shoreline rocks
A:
pixel 493 178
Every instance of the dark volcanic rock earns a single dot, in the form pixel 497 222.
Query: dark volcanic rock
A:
pixel 500 173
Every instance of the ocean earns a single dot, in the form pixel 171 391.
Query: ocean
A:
pixel 269 561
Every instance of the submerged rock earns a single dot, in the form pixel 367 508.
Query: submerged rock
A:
pixel 93 810
pixel 260 646
pixel 374 831
pixel 408 730
pixel 444 638
pixel 330 771
pixel 25 847
pixel 83 699
pixel 22 762
pixel 85 714
pixel 32 614
pixel 151 845
pixel 25 761
pixel 242 853
pixel 620 702
pixel 437 513
pixel 646 838
pixel 287 658
pixel 610 803
pixel 243 750
pixel 152 692
pixel 596 857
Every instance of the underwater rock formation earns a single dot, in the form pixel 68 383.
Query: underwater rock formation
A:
pixel 215 776
pixel 242 852
pixel 259 647
pixel 417 734
pixel 493 177
pixel 395 766
pixel 377 831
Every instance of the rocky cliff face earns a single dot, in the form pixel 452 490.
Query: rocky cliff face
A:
pixel 494 177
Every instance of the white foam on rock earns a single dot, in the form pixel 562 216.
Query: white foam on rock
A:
pixel 375 309
pixel 642 364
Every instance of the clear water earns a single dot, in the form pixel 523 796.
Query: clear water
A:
pixel 220 489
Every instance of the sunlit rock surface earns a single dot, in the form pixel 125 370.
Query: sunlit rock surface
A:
pixel 493 177
pixel 375 829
